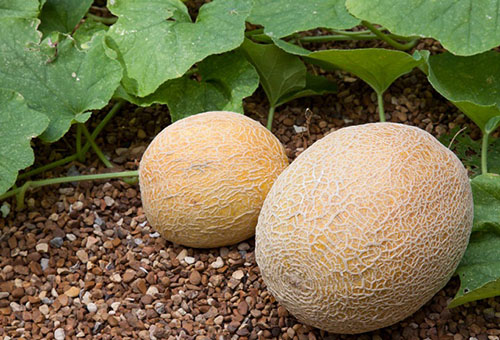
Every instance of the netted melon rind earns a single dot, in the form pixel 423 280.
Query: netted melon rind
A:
pixel 204 178
pixel 364 227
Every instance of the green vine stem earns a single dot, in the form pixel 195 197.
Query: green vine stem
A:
pixel 80 154
pixel 484 154
pixel 270 118
pixel 104 20
pixel 96 148
pixel 21 191
pixel 388 39
pixel 335 37
pixel 380 101
pixel 84 150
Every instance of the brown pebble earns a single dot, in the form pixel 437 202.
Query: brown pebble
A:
pixel 243 308
pixel 72 292
pixel 195 277
pixel 141 285
pixel 17 292
pixel 128 276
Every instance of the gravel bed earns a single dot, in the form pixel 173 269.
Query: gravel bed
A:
pixel 81 262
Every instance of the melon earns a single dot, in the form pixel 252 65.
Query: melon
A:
pixel 203 179
pixel 364 227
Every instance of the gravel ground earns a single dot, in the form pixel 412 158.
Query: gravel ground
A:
pixel 81 262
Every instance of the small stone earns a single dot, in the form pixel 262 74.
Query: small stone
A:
pixel 18 292
pixel 91 307
pixel 152 291
pixel 115 305
pixel 112 321
pixel 42 247
pixel 218 263
pixel 288 121
pixel 189 259
pixel 218 320
pixel 141 134
pixel 44 309
pixel 238 275
pixel 63 300
pixel 44 263
pixel 109 201
pixel 59 334
pixel 176 299
pixel 16 307
pixel 403 117
pixel 141 285
pixel 195 277
pixel 82 256
pixel 243 308
pixel 243 246
pixel 116 278
pixel 57 242
pixel 182 255
pixel 4 295
pixel 78 205
pixel 72 292
pixel 91 240
pixel 129 275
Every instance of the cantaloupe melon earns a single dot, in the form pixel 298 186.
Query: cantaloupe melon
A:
pixel 364 227
pixel 203 179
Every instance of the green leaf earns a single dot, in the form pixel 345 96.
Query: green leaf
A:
pixel 315 86
pixel 62 15
pixel 479 269
pixel 23 9
pixel 87 31
pixel 378 67
pixel 492 125
pixel 280 73
pixel 157 41
pixel 226 80
pixel 471 83
pixel 18 124
pixel 284 17
pixel 63 87
pixel 463 27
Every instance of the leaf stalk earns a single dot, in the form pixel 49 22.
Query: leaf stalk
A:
pixel 484 154
pixel 388 39
pixel 21 191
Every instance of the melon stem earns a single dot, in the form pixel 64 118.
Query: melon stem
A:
pixel 484 154
pixel 381 112
pixel 20 192
pixel 270 118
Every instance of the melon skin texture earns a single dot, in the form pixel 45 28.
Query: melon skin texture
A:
pixel 203 179
pixel 364 227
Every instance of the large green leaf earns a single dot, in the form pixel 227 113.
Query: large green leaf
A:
pixel 18 124
pixel 19 9
pixel 471 83
pixel 63 87
pixel 280 73
pixel 62 15
pixel 157 41
pixel 225 80
pixel 284 17
pixel 378 67
pixel 479 270
pixel 463 27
